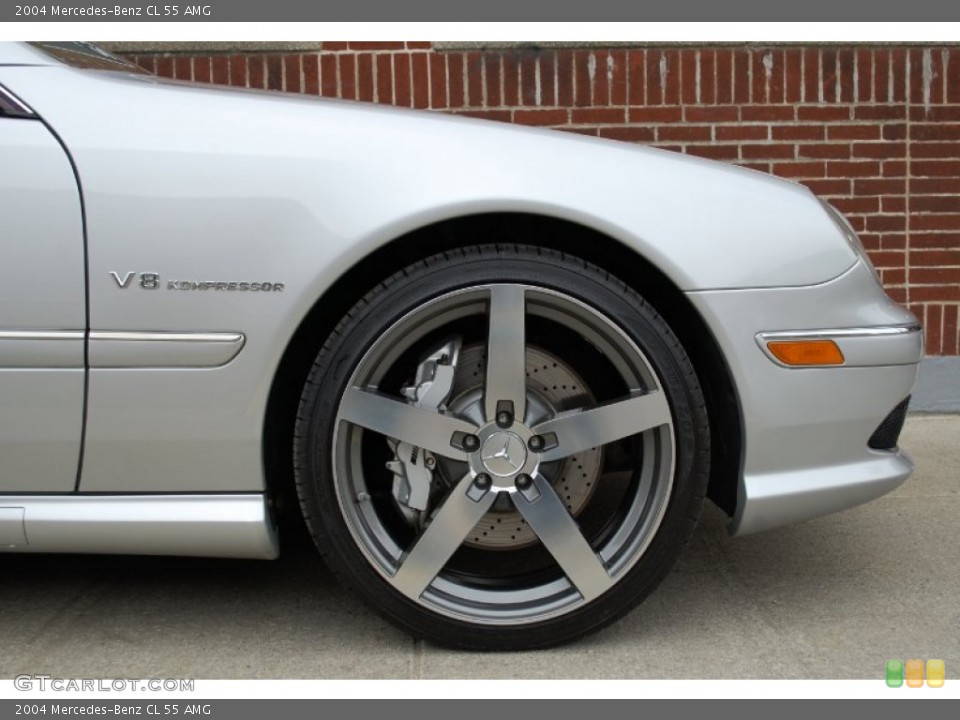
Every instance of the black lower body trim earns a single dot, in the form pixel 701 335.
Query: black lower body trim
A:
pixel 885 437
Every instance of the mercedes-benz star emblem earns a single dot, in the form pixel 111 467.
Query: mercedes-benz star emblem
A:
pixel 503 454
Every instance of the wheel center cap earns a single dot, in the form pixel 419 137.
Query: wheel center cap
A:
pixel 503 454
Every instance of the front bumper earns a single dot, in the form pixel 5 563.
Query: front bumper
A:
pixel 807 431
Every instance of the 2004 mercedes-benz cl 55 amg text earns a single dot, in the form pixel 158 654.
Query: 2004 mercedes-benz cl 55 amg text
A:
pixel 495 370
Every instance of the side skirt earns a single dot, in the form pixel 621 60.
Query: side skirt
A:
pixel 230 526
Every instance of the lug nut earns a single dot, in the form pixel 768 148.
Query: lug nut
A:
pixel 535 443
pixel 523 482
pixel 471 442
pixel 482 481
pixel 504 413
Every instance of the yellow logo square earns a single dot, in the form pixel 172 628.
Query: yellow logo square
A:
pixel 936 673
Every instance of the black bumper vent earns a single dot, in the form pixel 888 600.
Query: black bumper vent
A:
pixel 886 436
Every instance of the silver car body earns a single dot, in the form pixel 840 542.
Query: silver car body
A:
pixel 136 359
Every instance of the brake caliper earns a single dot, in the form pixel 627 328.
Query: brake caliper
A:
pixel 412 466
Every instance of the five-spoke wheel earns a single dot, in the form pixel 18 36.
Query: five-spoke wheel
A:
pixel 502 448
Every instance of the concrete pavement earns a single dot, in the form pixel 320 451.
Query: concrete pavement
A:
pixel 828 598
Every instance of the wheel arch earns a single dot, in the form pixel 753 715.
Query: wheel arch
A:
pixel 522 228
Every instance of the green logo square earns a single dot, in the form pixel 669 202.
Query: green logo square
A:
pixel 894 673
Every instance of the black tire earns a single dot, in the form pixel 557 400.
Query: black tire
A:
pixel 595 327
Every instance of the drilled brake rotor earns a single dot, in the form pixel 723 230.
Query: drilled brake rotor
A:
pixel 552 386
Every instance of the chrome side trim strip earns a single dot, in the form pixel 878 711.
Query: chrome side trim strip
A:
pixel 108 349
pixel 167 337
pixel 861 347
pixel 41 349
pixel 895 330
pixel 233 526
pixel 41 335
pixel 163 349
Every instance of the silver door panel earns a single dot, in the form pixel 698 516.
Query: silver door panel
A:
pixel 42 312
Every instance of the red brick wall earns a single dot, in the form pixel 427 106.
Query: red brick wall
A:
pixel 874 130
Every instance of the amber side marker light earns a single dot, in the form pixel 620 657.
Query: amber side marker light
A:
pixel 806 352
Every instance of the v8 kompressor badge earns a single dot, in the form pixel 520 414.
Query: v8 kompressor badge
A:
pixel 151 281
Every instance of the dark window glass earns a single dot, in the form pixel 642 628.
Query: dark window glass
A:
pixel 10 106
